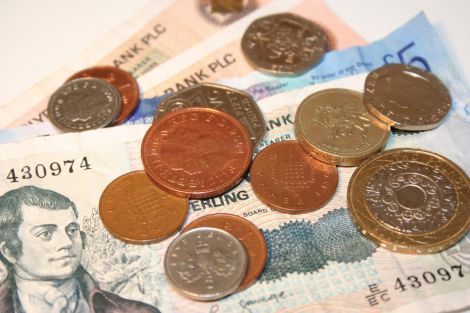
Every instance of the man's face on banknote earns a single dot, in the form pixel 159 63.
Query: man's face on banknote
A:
pixel 51 244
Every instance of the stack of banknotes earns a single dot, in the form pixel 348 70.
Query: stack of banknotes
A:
pixel 63 256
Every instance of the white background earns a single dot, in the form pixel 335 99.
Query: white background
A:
pixel 38 36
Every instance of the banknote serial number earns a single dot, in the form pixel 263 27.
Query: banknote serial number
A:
pixel 429 278
pixel 41 170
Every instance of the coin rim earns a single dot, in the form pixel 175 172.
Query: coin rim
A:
pixel 332 157
pixel 214 296
pixel 390 69
pixel 133 240
pixel 397 241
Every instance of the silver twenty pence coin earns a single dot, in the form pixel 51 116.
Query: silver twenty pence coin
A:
pixel 83 104
pixel 205 264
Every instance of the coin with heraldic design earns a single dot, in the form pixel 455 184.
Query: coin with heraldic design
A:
pixel 335 127
pixel 237 103
pixel 84 104
pixel 197 152
pixel 407 98
pixel 289 180
pixel 285 44
pixel 249 235
pixel 134 210
pixel 122 80
pixel 205 264
pixel 410 201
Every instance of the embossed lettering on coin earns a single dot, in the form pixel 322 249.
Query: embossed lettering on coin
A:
pixel 335 127
pixel 197 152
pixel 134 210
pixel 205 264
pixel 249 235
pixel 406 97
pixel 410 201
pixel 289 180
pixel 235 102
pixel 83 104
pixel 122 80
pixel 284 43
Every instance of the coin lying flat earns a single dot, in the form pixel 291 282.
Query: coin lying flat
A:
pixel 122 80
pixel 134 210
pixel 284 43
pixel 197 152
pixel 406 97
pixel 205 264
pixel 83 104
pixel 334 126
pixel 249 235
pixel 289 180
pixel 410 201
pixel 235 102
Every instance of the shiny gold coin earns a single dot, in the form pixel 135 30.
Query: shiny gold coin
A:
pixel 410 201
pixel 284 43
pixel 406 97
pixel 334 126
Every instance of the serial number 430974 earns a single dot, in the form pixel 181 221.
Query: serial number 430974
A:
pixel 41 170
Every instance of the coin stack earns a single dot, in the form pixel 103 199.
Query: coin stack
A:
pixel 93 98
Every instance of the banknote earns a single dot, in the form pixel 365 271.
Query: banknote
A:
pixel 159 31
pixel 317 262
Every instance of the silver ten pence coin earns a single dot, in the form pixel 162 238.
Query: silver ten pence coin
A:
pixel 83 104
pixel 205 264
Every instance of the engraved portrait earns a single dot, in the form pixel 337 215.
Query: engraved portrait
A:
pixel 42 245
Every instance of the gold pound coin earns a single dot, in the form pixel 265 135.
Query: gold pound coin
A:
pixel 405 97
pixel 410 201
pixel 334 126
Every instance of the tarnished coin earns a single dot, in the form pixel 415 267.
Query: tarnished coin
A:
pixel 249 235
pixel 410 201
pixel 406 97
pixel 122 80
pixel 289 180
pixel 83 104
pixel 284 43
pixel 235 102
pixel 205 264
pixel 335 127
pixel 197 152
pixel 134 210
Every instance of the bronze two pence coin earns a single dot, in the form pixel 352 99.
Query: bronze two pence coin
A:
pixel 134 210
pixel 284 43
pixel 122 80
pixel 410 201
pixel 407 98
pixel 289 180
pixel 249 235
pixel 197 152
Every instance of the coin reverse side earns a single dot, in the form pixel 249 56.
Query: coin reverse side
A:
pixel 205 264
pixel 407 98
pixel 410 201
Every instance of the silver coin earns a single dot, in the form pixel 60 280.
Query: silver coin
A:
pixel 205 264
pixel 83 104
pixel 237 103
pixel 285 44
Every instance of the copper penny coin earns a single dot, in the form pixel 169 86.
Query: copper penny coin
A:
pixel 410 201
pixel 197 152
pixel 122 80
pixel 284 43
pixel 134 210
pixel 406 97
pixel 289 180
pixel 249 235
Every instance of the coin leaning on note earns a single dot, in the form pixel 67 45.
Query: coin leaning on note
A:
pixel 205 264
pixel 410 201
pixel 84 104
